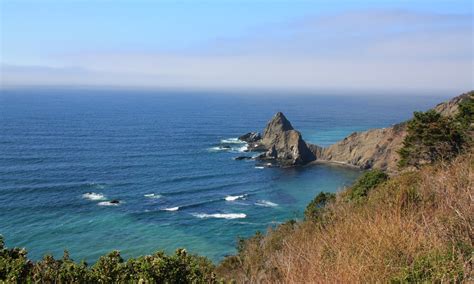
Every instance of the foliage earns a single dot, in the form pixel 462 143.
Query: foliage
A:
pixel 466 112
pixel 432 137
pixel 315 208
pixel 365 183
pixel 180 267
pixel 433 267
pixel 414 227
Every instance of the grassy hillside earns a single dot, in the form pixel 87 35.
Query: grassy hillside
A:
pixel 417 226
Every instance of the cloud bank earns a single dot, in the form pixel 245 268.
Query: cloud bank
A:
pixel 351 50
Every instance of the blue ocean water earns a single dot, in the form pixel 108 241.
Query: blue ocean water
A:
pixel 65 153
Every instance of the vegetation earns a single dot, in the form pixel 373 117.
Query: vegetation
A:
pixel 368 181
pixel 181 267
pixel 315 209
pixel 415 227
pixel 432 137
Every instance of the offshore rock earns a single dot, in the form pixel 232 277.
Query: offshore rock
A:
pixel 284 144
pixel 251 137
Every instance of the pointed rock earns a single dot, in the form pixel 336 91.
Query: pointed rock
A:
pixel 284 143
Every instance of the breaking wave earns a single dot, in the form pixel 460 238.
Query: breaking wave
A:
pixel 234 197
pixel 220 215
pixel 266 203
pixel 107 203
pixel 232 141
pixel 171 208
pixel 152 195
pixel 93 196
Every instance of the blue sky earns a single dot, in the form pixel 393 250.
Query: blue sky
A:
pixel 380 44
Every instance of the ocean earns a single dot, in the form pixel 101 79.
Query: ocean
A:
pixel 66 153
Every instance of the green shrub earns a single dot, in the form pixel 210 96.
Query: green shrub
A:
pixel 315 208
pixel 432 137
pixel 434 267
pixel 365 183
pixel 465 115
pixel 180 267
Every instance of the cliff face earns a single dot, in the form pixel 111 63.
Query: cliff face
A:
pixel 377 148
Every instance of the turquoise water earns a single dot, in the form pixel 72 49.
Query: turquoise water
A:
pixel 65 153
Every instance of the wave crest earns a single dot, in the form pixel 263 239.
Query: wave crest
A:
pixel 220 215
pixel 93 196
pixel 233 140
pixel 107 203
pixel 266 203
pixel 171 208
pixel 234 197
pixel 152 195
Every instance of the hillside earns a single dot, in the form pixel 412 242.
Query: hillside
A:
pixel 417 226
pixel 378 148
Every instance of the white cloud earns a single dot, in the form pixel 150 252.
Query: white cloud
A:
pixel 371 50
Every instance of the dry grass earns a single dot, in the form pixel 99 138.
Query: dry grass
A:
pixel 417 222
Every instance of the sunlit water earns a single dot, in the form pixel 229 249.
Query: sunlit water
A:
pixel 65 154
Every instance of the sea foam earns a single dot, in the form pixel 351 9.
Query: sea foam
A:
pixel 233 198
pixel 233 141
pixel 107 203
pixel 152 195
pixel 93 196
pixel 266 203
pixel 220 215
pixel 171 208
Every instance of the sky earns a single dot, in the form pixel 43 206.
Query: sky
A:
pixel 278 44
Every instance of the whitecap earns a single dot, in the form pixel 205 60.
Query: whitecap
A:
pixel 107 203
pixel 220 215
pixel 259 167
pixel 232 141
pixel 171 208
pixel 152 195
pixel 93 196
pixel 243 148
pixel 266 203
pixel 218 149
pixel 233 198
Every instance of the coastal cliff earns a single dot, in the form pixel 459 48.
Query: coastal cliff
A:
pixel 378 148
pixel 374 148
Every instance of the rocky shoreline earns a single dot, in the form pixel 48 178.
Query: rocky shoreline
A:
pixel 375 148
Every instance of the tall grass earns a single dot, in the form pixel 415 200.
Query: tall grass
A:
pixel 415 227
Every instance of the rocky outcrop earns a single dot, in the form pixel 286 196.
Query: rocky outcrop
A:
pixel 377 148
pixel 374 148
pixel 251 137
pixel 282 143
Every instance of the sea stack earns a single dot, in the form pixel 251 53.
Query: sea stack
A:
pixel 284 144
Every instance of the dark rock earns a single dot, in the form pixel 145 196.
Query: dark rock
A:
pixel 243 158
pixel 114 201
pixel 251 137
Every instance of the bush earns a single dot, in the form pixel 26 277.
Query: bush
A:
pixel 365 183
pixel 315 208
pixel 432 137
pixel 465 115
pixel 111 268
